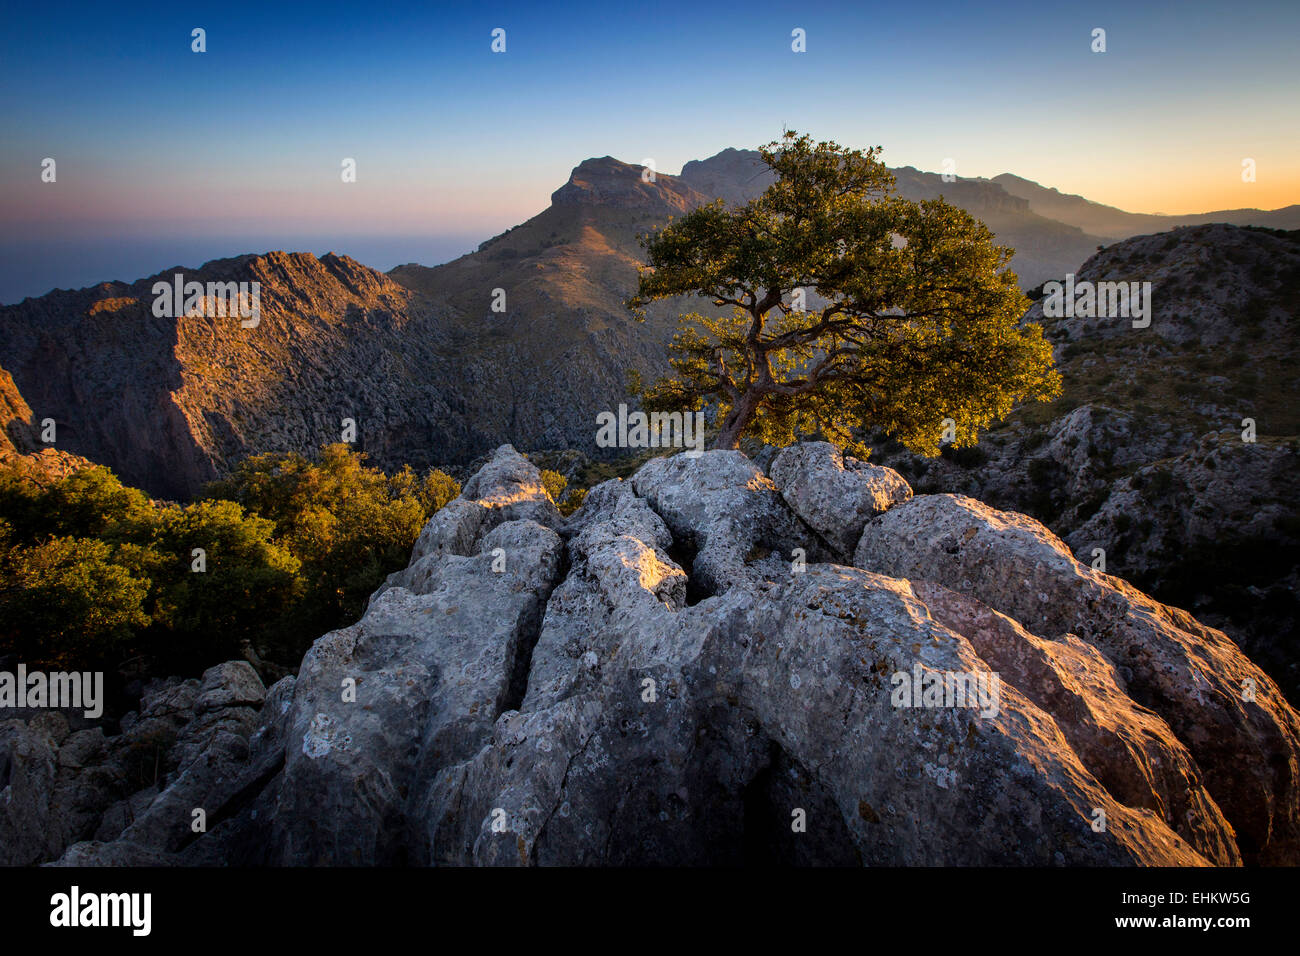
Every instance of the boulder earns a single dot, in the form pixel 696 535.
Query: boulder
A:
pixel 835 495
pixel 1232 717
pixel 729 524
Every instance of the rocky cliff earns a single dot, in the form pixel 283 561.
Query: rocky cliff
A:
pixel 170 403
pixel 707 663
pixel 20 446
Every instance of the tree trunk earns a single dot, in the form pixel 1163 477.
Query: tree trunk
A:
pixel 733 426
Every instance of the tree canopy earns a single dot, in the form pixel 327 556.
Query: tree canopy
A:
pixel 849 307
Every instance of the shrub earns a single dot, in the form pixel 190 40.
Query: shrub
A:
pixel 554 483
pixel 573 501
pixel 92 571
pixel 65 602
pixel 249 582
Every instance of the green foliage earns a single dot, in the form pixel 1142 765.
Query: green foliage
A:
pixel 92 571
pixel 349 525
pixel 65 600
pixel 920 321
pixel 89 503
pixel 573 501
pixel 248 579
pixel 554 483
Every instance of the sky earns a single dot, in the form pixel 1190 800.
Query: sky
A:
pixel 163 153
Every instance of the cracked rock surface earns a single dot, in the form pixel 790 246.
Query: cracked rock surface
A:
pixel 658 680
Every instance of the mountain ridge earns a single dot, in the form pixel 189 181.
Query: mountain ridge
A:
pixel 432 365
pixel 1111 222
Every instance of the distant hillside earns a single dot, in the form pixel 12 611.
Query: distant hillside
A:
pixel 1112 223
pixel 171 403
pixel 419 360
pixel 1044 248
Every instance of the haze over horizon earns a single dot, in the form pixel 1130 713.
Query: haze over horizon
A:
pixel 161 148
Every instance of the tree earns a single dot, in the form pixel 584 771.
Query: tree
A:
pixel 849 307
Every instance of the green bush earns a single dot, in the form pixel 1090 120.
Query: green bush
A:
pixel 349 525
pixel 248 581
pixel 554 483
pixel 93 572
pixel 66 601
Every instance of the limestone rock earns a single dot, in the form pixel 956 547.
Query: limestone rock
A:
pixel 652 681
pixel 727 519
pixel 1230 715
pixel 835 495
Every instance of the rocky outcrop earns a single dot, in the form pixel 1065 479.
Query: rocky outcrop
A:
pixel 1171 449
pixel 1230 716
pixel 130 797
pixel 662 680
pixel 379 708
pixel 1219 493
pixel 609 182
pixel 836 495
pixel 727 520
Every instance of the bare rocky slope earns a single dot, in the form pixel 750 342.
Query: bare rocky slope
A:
pixel 699 666
pixel 20 445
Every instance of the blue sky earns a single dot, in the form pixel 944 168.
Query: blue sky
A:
pixel 155 141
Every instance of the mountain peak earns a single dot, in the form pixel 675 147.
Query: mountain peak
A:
pixel 606 181
pixel 733 175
